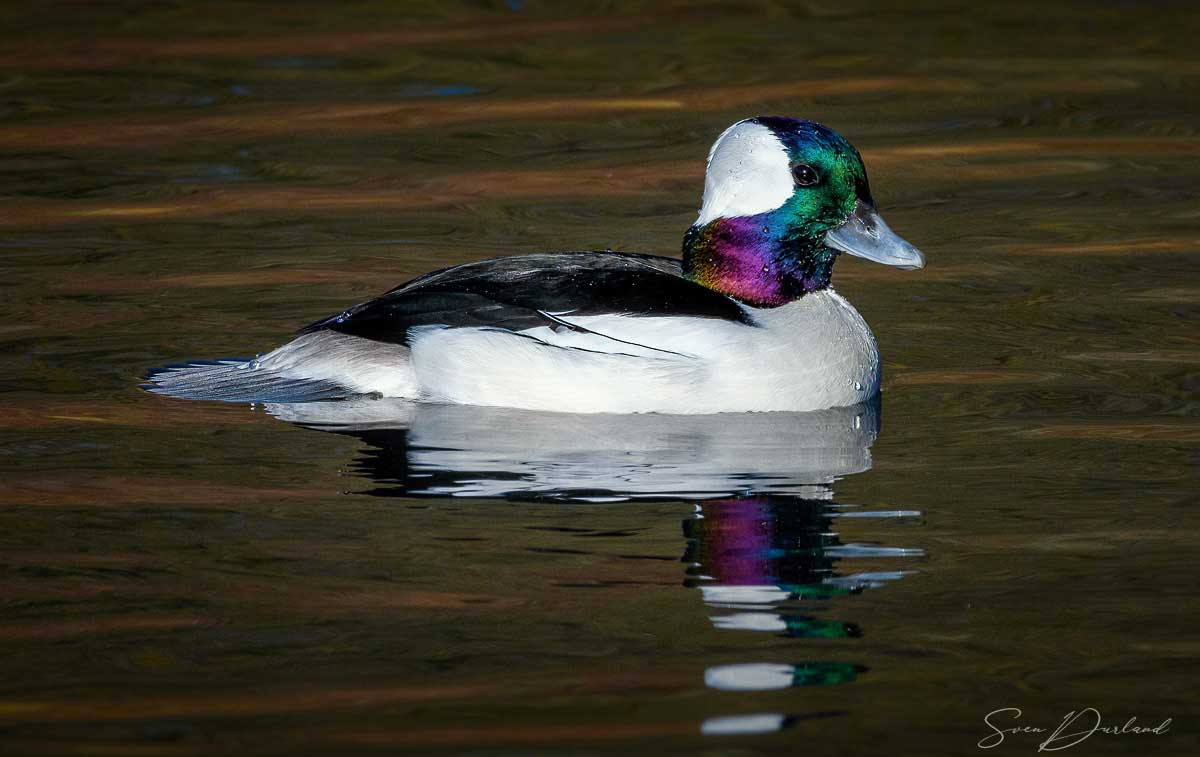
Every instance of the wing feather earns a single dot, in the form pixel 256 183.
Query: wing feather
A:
pixel 529 291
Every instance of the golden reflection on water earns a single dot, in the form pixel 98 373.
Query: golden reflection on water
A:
pixel 382 194
pixel 356 118
pixel 1128 432
pixel 184 181
pixel 115 51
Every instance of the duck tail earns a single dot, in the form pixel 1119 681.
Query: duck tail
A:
pixel 235 380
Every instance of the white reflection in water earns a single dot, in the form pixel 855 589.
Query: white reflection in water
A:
pixel 459 451
pixel 757 676
pixel 763 722
pixel 760 545
pixel 751 621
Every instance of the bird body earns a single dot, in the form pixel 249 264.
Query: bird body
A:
pixel 746 321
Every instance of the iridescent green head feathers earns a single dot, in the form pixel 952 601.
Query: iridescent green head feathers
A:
pixel 782 197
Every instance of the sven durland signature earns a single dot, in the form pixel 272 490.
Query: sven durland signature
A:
pixel 1076 727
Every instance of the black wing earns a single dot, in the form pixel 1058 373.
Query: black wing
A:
pixel 527 291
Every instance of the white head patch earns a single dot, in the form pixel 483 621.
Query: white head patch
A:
pixel 748 173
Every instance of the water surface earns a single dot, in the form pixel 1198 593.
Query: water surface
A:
pixel 1013 525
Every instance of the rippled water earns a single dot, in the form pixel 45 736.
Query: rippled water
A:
pixel 1013 526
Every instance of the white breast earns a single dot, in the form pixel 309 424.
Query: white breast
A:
pixel 812 354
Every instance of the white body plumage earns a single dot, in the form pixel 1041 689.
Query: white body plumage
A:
pixel 814 353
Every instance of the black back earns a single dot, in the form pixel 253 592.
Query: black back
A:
pixel 527 291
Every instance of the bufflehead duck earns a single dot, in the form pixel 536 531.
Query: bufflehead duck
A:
pixel 747 321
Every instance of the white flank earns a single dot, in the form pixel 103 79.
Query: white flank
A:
pixel 748 173
pixel 812 354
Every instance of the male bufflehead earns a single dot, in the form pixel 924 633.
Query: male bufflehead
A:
pixel 747 321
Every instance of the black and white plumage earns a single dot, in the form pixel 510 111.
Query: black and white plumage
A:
pixel 584 332
pixel 615 332
pixel 527 291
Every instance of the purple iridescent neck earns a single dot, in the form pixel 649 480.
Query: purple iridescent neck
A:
pixel 756 260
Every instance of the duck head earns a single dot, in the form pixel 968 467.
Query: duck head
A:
pixel 782 198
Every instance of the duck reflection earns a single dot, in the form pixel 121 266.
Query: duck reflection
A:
pixel 769 552
pixel 764 559
pixel 427 450
pixel 762 546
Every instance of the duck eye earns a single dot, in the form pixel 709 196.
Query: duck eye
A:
pixel 805 175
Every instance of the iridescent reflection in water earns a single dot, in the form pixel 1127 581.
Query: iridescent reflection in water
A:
pixel 762 546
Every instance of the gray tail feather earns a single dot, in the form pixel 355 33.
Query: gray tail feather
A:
pixel 238 381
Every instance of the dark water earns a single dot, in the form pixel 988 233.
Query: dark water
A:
pixel 1014 526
